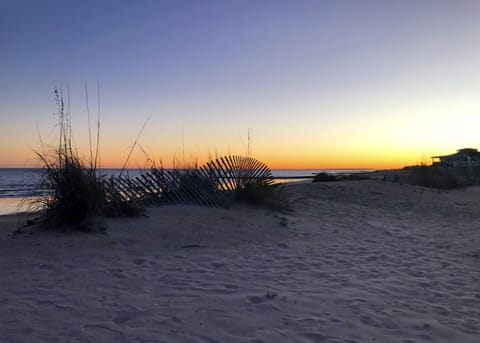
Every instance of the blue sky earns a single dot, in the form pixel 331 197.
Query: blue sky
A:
pixel 319 83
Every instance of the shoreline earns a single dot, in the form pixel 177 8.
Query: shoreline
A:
pixel 11 205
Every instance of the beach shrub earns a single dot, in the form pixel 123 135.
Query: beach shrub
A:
pixel 261 194
pixel 443 177
pixel 324 177
pixel 75 190
pixel 191 179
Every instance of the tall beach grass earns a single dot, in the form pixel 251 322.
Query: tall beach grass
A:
pixel 75 190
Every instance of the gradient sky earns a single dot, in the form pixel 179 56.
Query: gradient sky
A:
pixel 320 84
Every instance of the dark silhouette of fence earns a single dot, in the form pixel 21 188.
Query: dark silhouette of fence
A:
pixel 211 185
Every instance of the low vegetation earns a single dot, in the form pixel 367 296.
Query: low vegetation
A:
pixel 73 191
pixel 443 177
pixel 324 177
pixel 76 192
pixel 261 194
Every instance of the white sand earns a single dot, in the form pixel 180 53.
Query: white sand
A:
pixel 364 261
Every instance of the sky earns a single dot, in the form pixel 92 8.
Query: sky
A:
pixel 295 84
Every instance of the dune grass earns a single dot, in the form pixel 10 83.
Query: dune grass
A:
pixel 75 190
pixel 324 177
pixel 444 177
pixel 261 194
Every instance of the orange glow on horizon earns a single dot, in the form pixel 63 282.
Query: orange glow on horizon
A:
pixel 274 152
pixel 276 160
pixel 114 159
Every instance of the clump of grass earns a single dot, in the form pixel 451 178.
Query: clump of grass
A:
pixel 324 177
pixel 74 191
pixel 441 177
pixel 193 187
pixel 261 194
pixel 191 178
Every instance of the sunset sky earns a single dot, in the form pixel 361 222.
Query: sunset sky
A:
pixel 319 84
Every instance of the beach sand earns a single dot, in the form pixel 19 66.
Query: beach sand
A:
pixel 360 261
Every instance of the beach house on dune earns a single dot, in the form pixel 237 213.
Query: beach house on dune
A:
pixel 466 157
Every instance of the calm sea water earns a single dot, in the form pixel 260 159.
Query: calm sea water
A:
pixel 17 184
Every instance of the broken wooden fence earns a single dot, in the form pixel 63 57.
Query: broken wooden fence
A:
pixel 211 185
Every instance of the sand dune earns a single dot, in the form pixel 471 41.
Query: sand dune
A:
pixel 365 261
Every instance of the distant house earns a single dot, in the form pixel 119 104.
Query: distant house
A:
pixel 467 157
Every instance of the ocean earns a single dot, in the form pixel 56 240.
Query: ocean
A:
pixel 19 184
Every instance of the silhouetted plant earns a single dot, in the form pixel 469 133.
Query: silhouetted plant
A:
pixel 261 194
pixel 324 177
pixel 191 178
pixel 443 177
pixel 74 191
